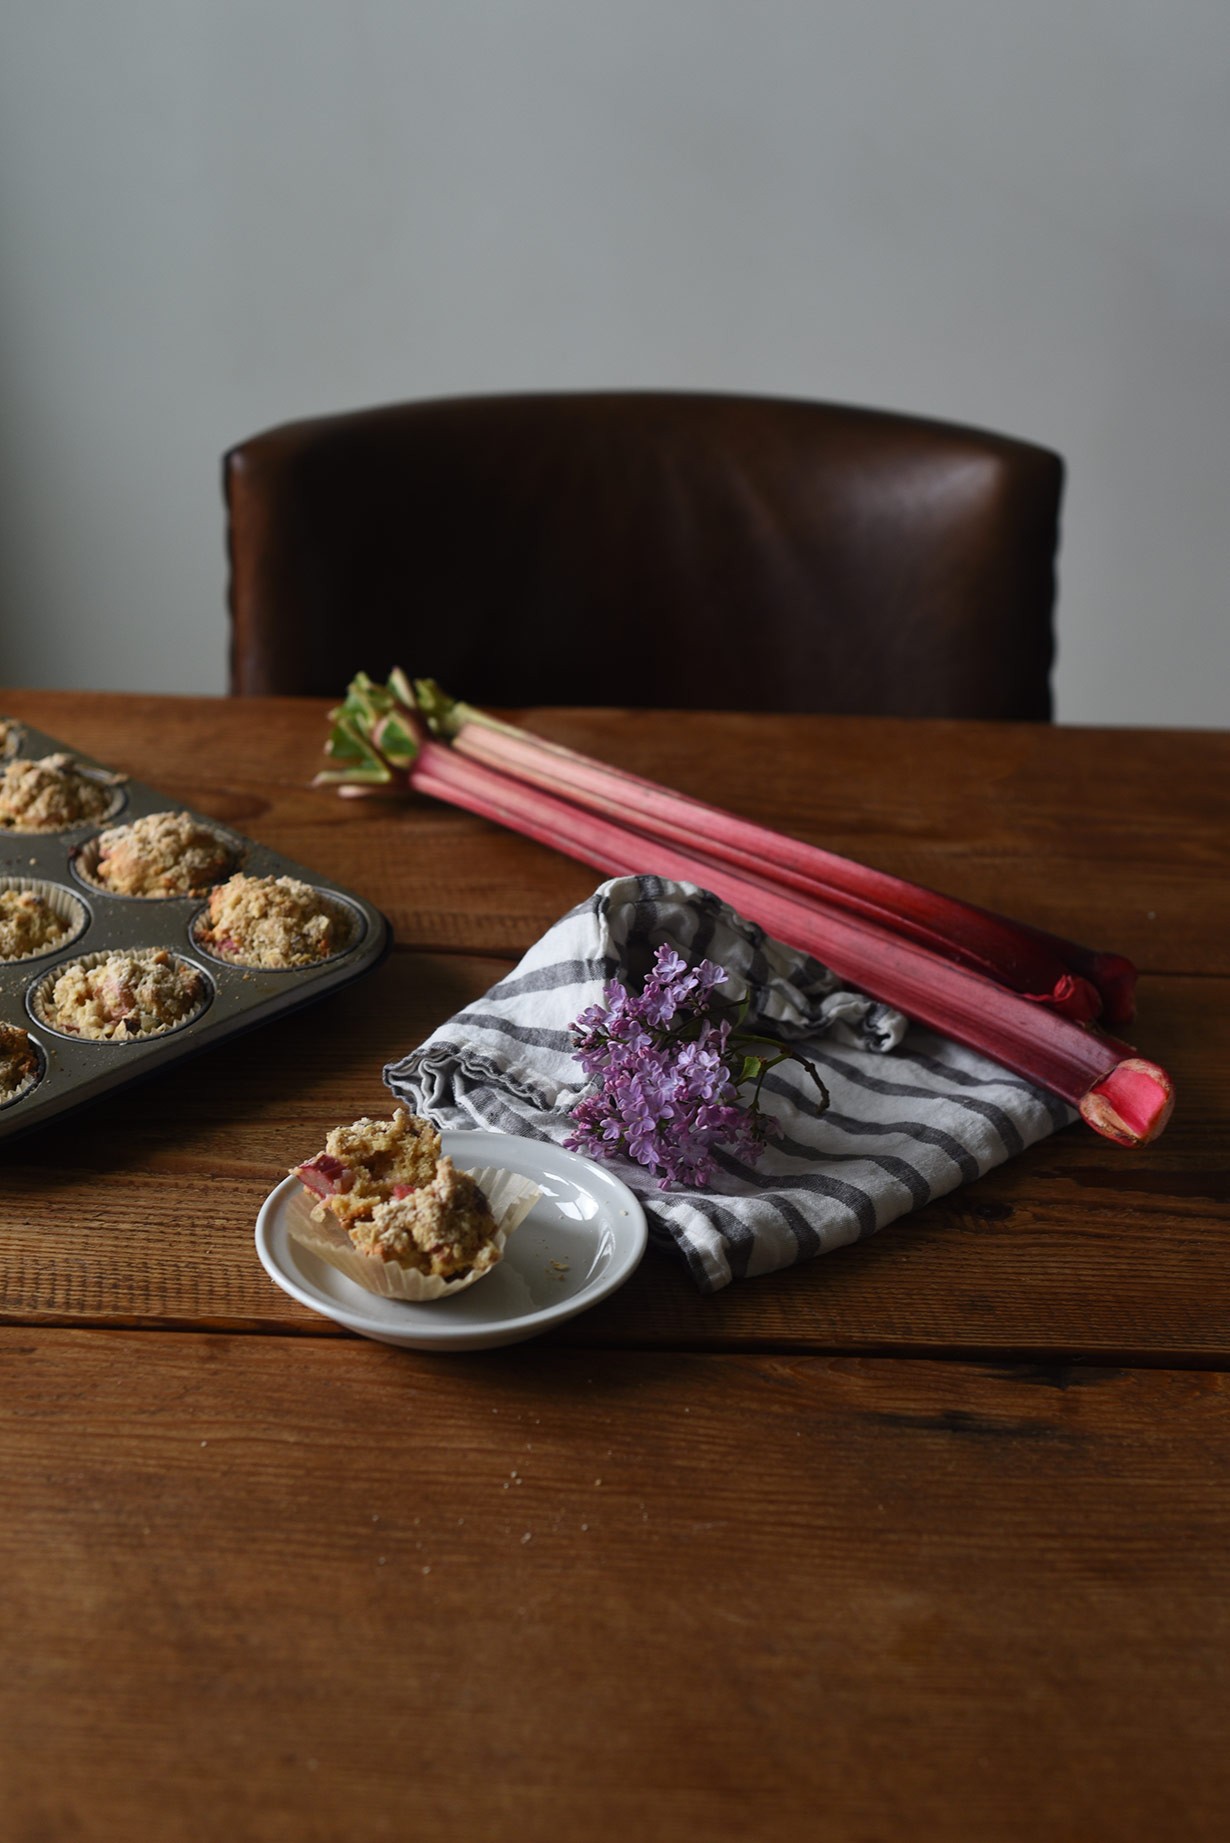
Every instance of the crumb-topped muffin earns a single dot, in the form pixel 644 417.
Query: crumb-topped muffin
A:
pixel 121 996
pixel 50 795
pixel 271 921
pixel 398 1218
pixel 29 924
pixel 161 854
pixel 445 1228
pixel 371 1162
pixel 10 736
pixel 18 1061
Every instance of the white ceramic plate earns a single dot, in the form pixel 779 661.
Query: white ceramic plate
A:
pixel 581 1240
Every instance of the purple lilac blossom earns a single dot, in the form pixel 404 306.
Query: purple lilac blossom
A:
pixel 664 1091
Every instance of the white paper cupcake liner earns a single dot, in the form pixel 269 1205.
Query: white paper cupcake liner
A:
pixel 510 1195
pixel 349 921
pixel 62 902
pixel 38 999
pixel 85 866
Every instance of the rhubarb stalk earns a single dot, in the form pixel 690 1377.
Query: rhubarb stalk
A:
pixel 1119 1094
pixel 381 739
pixel 1042 967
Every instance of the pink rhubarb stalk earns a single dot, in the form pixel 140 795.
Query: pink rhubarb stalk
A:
pixel 1040 966
pixel 1119 1094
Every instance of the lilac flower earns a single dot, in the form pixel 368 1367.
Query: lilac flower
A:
pixel 665 1076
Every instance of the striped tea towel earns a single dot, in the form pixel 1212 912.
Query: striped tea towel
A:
pixel 911 1115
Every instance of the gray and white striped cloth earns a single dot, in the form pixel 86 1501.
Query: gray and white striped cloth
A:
pixel 911 1116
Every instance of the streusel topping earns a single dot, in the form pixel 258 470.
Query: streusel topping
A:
pixel 49 795
pixel 126 995
pixel 28 924
pixel 162 854
pixel 371 1162
pixel 442 1228
pixel 270 921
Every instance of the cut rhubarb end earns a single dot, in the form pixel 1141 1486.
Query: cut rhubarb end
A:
pixel 1132 1104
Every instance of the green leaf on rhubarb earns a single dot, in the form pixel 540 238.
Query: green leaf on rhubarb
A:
pixel 396 742
pixel 348 744
pixel 437 709
pixel 401 688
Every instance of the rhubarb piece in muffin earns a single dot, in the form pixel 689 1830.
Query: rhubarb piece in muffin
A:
pixel 50 795
pixel 371 1162
pixel 18 1061
pixel 445 1229
pixel 121 996
pixel 29 924
pixel 271 921
pixel 162 854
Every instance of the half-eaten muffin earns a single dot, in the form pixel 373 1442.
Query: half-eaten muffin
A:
pixel 397 1216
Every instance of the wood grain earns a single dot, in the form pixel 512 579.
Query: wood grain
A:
pixel 1117 837
pixel 143 1213
pixel 279 1589
pixel 756 1567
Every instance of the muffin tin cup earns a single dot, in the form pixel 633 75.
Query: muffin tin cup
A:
pixel 339 908
pixel 63 902
pixel 39 997
pixel 84 863
pixel 78 1070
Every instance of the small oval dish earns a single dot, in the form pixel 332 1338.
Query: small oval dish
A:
pixel 580 1242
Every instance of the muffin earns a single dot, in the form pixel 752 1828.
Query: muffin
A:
pixel 271 921
pixel 371 1162
pixel 162 854
pixel 10 736
pixel 51 794
pixel 18 1062
pixel 396 1216
pixel 119 997
pixel 30 925
pixel 444 1229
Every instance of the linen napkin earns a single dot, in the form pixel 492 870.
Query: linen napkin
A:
pixel 911 1116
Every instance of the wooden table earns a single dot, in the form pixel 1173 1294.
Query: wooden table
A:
pixel 927 1539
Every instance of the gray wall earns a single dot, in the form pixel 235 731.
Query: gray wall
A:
pixel 220 214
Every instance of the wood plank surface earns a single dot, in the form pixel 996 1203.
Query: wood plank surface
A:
pixel 278 1589
pixel 1117 837
pixel 142 1213
pixel 758 1566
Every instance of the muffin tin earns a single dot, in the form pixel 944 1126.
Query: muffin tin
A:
pixel 75 1070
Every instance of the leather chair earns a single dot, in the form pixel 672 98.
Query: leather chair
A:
pixel 648 548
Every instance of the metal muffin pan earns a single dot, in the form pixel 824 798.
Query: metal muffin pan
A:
pixel 76 1070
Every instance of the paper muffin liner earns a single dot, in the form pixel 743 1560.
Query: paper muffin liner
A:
pixel 114 786
pixel 85 866
pixel 9 1095
pixel 350 921
pixel 38 999
pixel 510 1195
pixel 70 908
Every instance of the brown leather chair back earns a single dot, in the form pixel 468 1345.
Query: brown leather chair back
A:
pixel 648 548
